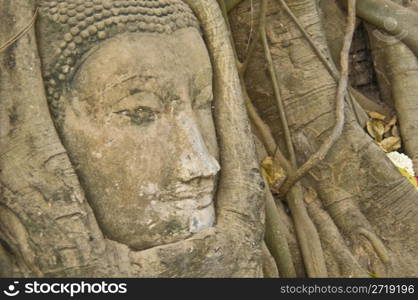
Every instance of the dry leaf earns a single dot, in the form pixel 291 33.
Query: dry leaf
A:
pixel 376 115
pixel 274 175
pixel 390 124
pixel 376 129
pixel 310 195
pixel 387 134
pixel 395 131
pixel 393 121
pixel 387 130
pixel 391 144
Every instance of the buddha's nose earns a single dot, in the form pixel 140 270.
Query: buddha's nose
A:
pixel 194 160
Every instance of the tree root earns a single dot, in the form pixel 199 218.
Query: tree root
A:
pixel 334 243
pixel 377 244
pixel 276 239
pixel 351 222
pixel 21 33
pixel 382 13
pixel 397 69
pixel 307 234
pixel 269 265
pixel 14 234
pixel 261 128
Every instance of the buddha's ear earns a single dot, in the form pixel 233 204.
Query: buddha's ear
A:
pixel 240 194
pixel 37 182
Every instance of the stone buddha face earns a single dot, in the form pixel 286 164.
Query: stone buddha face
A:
pixel 137 124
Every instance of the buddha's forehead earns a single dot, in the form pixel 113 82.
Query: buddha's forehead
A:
pixel 177 59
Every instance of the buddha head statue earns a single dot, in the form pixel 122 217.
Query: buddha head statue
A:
pixel 129 84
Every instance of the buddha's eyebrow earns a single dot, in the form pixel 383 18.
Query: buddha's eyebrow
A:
pixel 134 89
pixel 124 79
pixel 164 91
pixel 114 84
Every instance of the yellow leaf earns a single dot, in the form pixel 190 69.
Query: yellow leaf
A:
pixel 373 275
pixel 376 115
pixel 274 174
pixel 391 124
pixel 393 121
pixel 310 195
pixel 376 129
pixel 391 144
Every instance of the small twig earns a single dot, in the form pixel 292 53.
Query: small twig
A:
pixel 251 48
pixel 342 89
pixel 251 24
pixel 265 134
pixel 276 89
pixel 20 33
pixel 261 127
pixel 327 64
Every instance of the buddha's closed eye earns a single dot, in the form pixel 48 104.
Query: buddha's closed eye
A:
pixel 139 115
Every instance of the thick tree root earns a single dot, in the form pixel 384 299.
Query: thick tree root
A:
pixel 393 18
pixel 14 234
pixel 377 244
pixel 307 234
pixel 397 69
pixel 339 257
pixel 269 265
pixel 276 239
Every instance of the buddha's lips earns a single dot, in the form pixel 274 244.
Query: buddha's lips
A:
pixel 185 196
pixel 190 194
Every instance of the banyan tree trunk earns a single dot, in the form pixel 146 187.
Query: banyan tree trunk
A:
pixel 365 211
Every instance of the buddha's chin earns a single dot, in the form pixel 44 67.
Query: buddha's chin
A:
pixel 158 223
